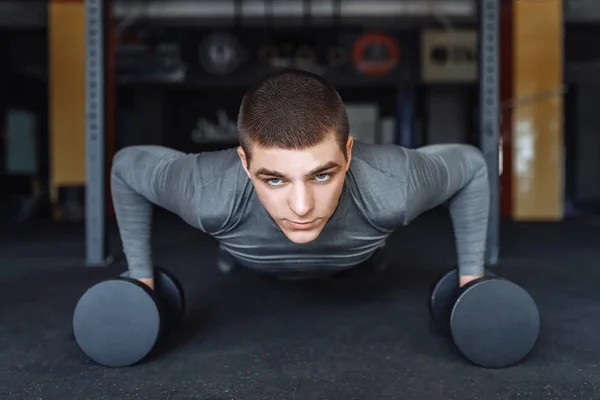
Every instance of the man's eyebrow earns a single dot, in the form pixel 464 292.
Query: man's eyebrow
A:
pixel 323 168
pixel 316 171
pixel 270 172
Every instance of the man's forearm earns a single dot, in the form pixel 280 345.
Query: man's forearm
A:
pixel 469 210
pixel 134 216
pixel 456 173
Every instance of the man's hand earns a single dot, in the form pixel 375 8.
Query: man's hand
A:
pixel 468 278
pixel 148 282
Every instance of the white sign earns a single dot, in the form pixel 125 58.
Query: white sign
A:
pixel 206 131
pixel 449 56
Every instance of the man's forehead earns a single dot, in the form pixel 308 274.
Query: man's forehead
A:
pixel 328 142
pixel 319 151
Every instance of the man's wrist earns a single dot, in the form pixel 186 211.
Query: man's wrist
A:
pixel 465 279
pixel 148 282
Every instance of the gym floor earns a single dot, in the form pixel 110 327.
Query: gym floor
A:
pixel 362 336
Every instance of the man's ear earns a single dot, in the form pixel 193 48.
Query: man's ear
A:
pixel 243 159
pixel 349 145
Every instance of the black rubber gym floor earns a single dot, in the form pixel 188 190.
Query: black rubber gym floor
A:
pixel 363 336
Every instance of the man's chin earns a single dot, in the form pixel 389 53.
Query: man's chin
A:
pixel 302 237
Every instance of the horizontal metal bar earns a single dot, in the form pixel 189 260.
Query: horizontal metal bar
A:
pixel 249 9
pixel 23 14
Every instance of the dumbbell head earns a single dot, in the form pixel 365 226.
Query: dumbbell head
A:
pixel 442 298
pixel 444 293
pixel 117 322
pixel 170 294
pixel 494 323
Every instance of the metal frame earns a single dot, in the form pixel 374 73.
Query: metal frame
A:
pixel 489 109
pixel 95 207
pixel 96 240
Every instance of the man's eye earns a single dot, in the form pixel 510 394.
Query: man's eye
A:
pixel 274 181
pixel 322 177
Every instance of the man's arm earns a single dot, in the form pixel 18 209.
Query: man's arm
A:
pixel 143 176
pixel 457 173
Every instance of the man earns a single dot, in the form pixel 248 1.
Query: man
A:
pixel 299 193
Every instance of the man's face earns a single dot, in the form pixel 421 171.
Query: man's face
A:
pixel 300 189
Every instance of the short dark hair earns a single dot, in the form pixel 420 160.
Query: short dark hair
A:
pixel 292 110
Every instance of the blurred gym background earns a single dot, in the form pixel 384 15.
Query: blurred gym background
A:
pixel 172 72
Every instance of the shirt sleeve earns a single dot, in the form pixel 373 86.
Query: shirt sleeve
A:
pixel 147 176
pixel 454 173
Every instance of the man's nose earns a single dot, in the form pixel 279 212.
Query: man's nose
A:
pixel 301 201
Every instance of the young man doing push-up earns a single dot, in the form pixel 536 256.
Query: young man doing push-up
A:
pixel 299 194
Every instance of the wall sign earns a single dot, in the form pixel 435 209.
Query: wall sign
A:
pixel 220 53
pixel 224 130
pixel 449 56
pixel 581 11
pixel 198 57
pixel 375 54
pixel 197 120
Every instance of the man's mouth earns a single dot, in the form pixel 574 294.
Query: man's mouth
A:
pixel 302 225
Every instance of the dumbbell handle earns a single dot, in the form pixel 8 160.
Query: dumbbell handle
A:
pixel 490 274
pixel 147 281
pixel 165 287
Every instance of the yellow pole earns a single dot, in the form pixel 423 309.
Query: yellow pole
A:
pixel 66 31
pixel 537 141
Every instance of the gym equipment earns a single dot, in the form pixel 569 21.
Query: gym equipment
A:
pixel 220 53
pixel 118 322
pixel 493 322
pixel 443 296
pixel 171 297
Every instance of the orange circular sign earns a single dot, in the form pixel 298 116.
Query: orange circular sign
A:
pixel 386 59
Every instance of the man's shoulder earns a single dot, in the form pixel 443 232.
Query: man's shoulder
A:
pixel 223 188
pixel 217 160
pixel 377 182
pixel 211 167
pixel 385 159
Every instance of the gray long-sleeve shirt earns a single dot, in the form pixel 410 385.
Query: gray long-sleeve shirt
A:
pixel 386 187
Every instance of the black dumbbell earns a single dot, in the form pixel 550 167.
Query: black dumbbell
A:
pixel 493 322
pixel 118 322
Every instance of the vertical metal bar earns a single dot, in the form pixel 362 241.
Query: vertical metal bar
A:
pixel 489 20
pixel 405 99
pixel 95 228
